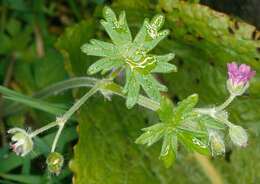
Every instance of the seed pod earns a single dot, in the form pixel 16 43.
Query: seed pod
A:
pixel 55 162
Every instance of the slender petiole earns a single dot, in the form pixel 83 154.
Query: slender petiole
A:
pixel 44 128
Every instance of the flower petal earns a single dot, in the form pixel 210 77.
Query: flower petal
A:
pixel 251 74
pixel 242 68
pixel 234 66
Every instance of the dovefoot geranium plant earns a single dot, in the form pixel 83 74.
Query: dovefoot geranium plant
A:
pixel 197 129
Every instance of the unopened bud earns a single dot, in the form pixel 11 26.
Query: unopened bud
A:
pixel 22 143
pixel 217 143
pixel 238 135
pixel 55 162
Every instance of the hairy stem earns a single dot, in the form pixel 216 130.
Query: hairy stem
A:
pixel 44 128
pixel 226 103
pixel 62 121
pixel 61 126
pixel 80 102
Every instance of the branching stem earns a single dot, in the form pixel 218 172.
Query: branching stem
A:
pixel 62 121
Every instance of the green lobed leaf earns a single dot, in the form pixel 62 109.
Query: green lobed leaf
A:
pixel 133 54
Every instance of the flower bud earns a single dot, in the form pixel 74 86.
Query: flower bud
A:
pixel 23 143
pixel 238 135
pixel 217 143
pixel 55 162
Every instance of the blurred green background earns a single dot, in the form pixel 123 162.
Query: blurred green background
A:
pixel 40 45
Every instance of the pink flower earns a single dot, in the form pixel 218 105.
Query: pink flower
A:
pixel 21 141
pixel 239 75
pixel 14 149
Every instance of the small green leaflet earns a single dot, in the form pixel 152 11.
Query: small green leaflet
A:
pixel 132 54
pixel 169 149
pixel 176 126
pixel 184 112
pixel 181 114
pixel 152 134
pixel 192 144
pixel 166 110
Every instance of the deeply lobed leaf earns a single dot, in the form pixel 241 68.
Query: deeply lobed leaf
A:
pixel 132 54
